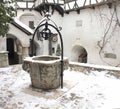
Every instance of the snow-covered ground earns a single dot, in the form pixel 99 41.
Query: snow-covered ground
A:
pixel 94 90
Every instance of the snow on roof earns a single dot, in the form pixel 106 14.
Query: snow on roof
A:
pixel 23 25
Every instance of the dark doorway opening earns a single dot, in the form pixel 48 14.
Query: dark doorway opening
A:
pixel 79 54
pixel 12 55
pixel 82 58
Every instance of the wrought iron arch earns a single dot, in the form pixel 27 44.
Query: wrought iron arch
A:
pixel 46 31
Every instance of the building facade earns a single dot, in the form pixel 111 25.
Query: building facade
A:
pixel 90 32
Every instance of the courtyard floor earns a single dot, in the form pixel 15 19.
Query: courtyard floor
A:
pixel 88 90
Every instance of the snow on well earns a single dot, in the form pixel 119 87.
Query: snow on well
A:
pixel 34 59
pixel 96 90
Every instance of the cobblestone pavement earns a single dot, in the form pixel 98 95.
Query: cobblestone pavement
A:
pixel 80 91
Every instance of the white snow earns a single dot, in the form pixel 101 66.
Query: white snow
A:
pixel 96 90
pixel 97 66
pixel 23 25
pixel 32 59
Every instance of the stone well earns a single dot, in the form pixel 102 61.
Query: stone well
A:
pixel 44 70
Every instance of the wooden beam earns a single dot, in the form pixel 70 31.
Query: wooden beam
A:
pixel 92 5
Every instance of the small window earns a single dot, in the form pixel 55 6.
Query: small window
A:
pixel 31 24
pixel 110 55
pixel 79 23
pixel 53 50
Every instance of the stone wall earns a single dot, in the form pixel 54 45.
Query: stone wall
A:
pixel 87 68
pixel 45 71
pixel 3 58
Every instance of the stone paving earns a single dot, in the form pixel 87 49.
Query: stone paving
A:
pixel 15 77
pixel 81 91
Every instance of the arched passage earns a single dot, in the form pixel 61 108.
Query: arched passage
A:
pixel 79 54
pixel 14 49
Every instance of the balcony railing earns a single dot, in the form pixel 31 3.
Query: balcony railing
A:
pixel 24 4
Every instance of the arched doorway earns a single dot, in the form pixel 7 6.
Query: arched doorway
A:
pixel 79 54
pixel 12 55
pixel 15 49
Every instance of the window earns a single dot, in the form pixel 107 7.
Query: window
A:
pixel 31 24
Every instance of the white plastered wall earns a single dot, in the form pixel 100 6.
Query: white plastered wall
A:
pixel 21 36
pixel 87 29
pixel 29 15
